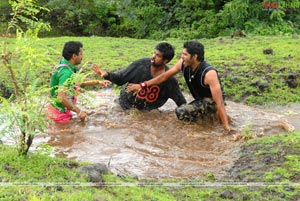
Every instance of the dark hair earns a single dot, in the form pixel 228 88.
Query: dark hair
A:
pixel 70 48
pixel 194 47
pixel 166 49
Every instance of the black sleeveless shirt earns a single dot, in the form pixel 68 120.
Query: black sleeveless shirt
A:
pixel 195 80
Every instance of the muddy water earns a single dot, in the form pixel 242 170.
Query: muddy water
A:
pixel 155 144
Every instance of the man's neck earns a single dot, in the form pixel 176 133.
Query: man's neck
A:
pixel 195 65
pixel 157 70
pixel 72 62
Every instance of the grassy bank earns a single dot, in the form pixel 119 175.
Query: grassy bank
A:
pixel 254 70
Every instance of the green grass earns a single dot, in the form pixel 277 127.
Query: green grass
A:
pixel 282 152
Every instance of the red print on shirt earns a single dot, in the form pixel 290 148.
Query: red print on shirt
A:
pixel 150 94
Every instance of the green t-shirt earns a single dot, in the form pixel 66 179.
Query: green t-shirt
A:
pixel 62 77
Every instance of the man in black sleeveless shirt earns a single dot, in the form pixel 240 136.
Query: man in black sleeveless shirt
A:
pixel 146 69
pixel 202 80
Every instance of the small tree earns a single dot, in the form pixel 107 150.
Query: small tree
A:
pixel 23 61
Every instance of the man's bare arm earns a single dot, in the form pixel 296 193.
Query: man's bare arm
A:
pixel 70 106
pixel 103 83
pixel 211 79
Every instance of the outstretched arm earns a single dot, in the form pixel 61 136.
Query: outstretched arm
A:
pixel 157 80
pixel 103 83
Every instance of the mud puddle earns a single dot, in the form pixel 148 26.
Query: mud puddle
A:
pixel 155 144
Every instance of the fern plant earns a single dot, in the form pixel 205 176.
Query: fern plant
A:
pixel 22 114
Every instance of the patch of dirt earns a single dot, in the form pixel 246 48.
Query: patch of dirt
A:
pixel 255 160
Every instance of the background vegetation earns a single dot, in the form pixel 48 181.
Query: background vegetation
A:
pixel 160 19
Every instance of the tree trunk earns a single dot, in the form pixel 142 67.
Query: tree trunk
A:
pixel 25 144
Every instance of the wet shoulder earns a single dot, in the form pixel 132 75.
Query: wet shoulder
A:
pixel 204 65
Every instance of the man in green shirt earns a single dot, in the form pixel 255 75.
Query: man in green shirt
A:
pixel 63 88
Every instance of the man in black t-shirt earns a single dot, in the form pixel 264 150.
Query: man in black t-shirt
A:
pixel 146 69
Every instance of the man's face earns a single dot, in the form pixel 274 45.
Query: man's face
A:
pixel 78 58
pixel 157 59
pixel 188 59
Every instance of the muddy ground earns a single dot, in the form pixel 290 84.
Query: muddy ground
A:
pixel 156 145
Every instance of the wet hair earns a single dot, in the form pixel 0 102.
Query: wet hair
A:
pixel 194 47
pixel 166 49
pixel 70 48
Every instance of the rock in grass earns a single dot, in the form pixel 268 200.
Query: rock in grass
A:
pixel 268 51
pixel 227 194
pixel 94 171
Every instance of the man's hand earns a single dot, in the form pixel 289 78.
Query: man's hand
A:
pixel 99 71
pixel 104 83
pixel 133 87
pixel 227 128
pixel 229 131
pixel 82 115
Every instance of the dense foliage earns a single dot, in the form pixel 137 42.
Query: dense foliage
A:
pixel 160 19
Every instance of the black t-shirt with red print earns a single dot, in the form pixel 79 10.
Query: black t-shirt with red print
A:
pixel 147 99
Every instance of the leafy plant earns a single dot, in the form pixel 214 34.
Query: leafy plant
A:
pixel 23 113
